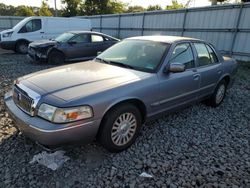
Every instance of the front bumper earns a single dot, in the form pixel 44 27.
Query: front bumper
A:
pixel 36 58
pixel 50 134
pixel 8 45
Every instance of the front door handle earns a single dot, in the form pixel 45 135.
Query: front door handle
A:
pixel 42 32
pixel 196 76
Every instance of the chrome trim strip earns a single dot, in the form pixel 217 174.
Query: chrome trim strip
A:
pixel 181 95
pixel 59 130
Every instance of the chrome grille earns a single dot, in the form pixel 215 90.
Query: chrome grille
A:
pixel 22 100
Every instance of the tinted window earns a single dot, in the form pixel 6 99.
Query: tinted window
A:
pixel 96 38
pixel 82 38
pixel 183 54
pixel 31 26
pixel 203 55
pixel 213 56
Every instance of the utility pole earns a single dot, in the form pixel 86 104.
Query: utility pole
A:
pixel 55 9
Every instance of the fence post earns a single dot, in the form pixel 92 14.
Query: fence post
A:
pixel 236 29
pixel 143 21
pixel 184 22
pixel 119 26
pixel 100 23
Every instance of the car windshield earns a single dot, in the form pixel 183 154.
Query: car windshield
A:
pixel 64 37
pixel 136 54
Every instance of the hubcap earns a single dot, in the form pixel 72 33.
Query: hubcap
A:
pixel 23 48
pixel 123 129
pixel 220 93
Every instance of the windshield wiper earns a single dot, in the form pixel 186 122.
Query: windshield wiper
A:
pixel 115 63
pixel 121 64
pixel 102 60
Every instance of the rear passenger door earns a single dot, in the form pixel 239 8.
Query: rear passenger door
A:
pixel 209 68
pixel 97 43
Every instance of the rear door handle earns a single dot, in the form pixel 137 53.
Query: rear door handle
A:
pixel 196 76
pixel 41 32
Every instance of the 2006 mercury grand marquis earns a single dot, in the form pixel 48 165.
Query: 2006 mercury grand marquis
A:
pixel 110 97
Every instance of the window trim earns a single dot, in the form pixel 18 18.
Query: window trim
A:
pixel 197 62
pixel 208 45
pixel 192 51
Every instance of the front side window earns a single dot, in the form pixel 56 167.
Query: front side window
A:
pixel 64 37
pixel 81 38
pixel 139 54
pixel 203 55
pixel 31 26
pixel 183 54
pixel 96 38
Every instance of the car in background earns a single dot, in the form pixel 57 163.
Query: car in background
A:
pixel 111 97
pixel 38 28
pixel 70 46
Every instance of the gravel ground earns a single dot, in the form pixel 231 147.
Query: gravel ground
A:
pixel 198 146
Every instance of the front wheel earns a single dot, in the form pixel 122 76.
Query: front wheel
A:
pixel 22 47
pixel 218 95
pixel 56 57
pixel 120 127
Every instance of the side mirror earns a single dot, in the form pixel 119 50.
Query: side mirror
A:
pixel 71 42
pixel 176 67
pixel 98 53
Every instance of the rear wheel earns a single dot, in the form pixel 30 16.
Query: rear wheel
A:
pixel 218 95
pixel 120 128
pixel 56 57
pixel 22 47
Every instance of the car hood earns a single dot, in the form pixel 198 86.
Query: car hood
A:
pixel 80 79
pixel 43 43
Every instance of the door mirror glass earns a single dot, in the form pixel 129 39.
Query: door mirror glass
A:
pixel 176 67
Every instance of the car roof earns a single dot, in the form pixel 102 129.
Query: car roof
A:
pixel 164 38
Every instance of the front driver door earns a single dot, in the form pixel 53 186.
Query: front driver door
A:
pixel 179 88
pixel 79 47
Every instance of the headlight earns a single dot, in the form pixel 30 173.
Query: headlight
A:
pixel 64 115
pixel 7 34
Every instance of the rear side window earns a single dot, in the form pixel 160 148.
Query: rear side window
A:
pixel 203 54
pixel 96 38
pixel 31 26
pixel 212 54
pixel 183 54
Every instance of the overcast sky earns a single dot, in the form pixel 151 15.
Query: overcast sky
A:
pixel 144 3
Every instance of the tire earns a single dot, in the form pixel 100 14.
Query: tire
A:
pixel 22 47
pixel 219 94
pixel 115 134
pixel 56 57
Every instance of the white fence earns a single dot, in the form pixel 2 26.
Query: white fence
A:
pixel 225 26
